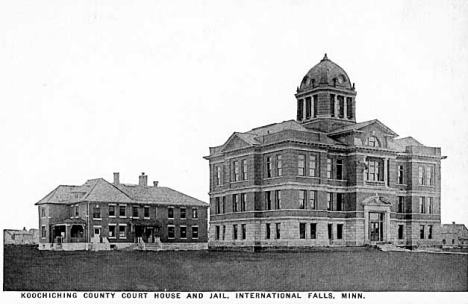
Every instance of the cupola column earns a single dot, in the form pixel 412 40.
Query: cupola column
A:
pixel 345 111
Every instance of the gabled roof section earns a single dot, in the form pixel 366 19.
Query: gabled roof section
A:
pixel 160 195
pixel 102 191
pixel 361 125
pixel 238 141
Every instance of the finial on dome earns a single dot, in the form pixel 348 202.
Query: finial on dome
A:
pixel 325 57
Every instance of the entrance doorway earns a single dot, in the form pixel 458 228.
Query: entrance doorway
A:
pixel 97 231
pixel 376 220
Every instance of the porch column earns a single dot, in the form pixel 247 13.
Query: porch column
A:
pixel 387 226
pixel 67 234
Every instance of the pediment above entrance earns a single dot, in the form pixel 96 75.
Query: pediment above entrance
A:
pixel 377 201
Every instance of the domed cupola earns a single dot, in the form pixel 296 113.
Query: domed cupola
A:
pixel 326 91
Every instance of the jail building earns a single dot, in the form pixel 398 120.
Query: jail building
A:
pixel 99 215
pixel 324 179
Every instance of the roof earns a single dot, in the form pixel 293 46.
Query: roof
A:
pixel 100 190
pixel 277 127
pixel 360 125
pixel 160 195
pixel 326 72
pixel 453 228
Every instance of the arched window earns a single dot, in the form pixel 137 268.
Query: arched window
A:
pixel 373 142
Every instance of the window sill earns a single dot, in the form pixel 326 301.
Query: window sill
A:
pixel 111 216
pixel 147 218
pixel 112 237
pixel 97 219
pixel 135 217
pixel 122 217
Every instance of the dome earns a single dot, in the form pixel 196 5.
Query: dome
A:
pixel 326 73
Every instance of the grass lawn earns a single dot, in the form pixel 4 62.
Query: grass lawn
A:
pixel 353 269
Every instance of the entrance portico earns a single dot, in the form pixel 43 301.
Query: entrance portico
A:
pixel 376 220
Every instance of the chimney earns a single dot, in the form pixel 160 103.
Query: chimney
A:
pixel 143 181
pixel 116 178
pixel 453 223
pixel 155 183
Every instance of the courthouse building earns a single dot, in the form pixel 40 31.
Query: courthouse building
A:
pixel 324 179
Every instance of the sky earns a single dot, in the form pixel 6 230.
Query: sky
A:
pixel 89 88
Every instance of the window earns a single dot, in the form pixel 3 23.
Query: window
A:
pixel 373 142
pixel 77 210
pixel 329 201
pixel 122 232
pixel 349 106
pixel 422 205
pixel 96 212
pixel 278 230
pixel 43 212
pixel 43 231
pixel 421 175
pixel 235 202
pixel 183 232
pixel 243 201
pixel 216 232
pixel 170 212
pixel 339 169
pixel 224 232
pixel 244 231
pixel 112 230
pixel 430 207
pixel 313 231
pixel 244 169
pixel 339 202
pixel 374 170
pixel 268 200
pixel 236 170
pixel 340 106
pixel 300 105
pixel 278 199
pixel 146 212
pixel 401 174
pixel 329 168
pixel 332 105
pixel 218 175
pixel 269 167
pixel 234 232
pixel 267 231
pixel 429 179
pixel 443 241
pixel 218 205
pixel 122 211
pixel 421 232
pixel 135 211
pixel 302 199
pixel 339 231
pixel 313 165
pixel 170 232
pixel 224 204
pixel 301 165
pixel 312 199
pixel 330 231
pixel 302 230
pixel 400 232
pixel 279 165
pixel 195 232
pixel 111 210
pixel 315 105
pixel 401 204
pixel 183 213
pixel 308 107
pixel 194 213
pixel 429 232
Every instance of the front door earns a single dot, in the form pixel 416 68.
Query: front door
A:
pixel 97 231
pixel 149 234
pixel 376 226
